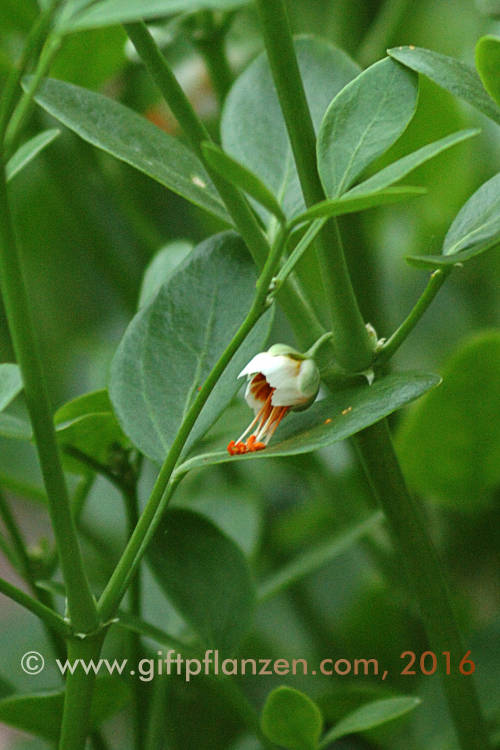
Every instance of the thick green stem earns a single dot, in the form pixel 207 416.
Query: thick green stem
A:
pixel 81 604
pixel 401 334
pixel 374 444
pixel 306 325
pixel 78 694
pixel 423 569
pixel 348 324
pixel 210 39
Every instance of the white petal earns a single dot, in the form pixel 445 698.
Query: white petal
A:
pixel 257 364
pixel 252 402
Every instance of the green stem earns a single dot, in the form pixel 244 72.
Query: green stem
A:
pixel 80 601
pixel 48 616
pixel 401 334
pixel 210 39
pixel 306 325
pixel 163 487
pixel 374 444
pixel 424 572
pixel 348 324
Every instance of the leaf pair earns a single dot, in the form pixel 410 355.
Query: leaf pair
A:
pixel 293 721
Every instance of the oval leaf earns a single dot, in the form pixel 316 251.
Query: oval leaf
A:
pixel 453 75
pixel 369 716
pixel 187 554
pixel 40 714
pixel 332 419
pixel 172 344
pixel 131 138
pixel 450 443
pixel 252 126
pixel 475 229
pixel 11 383
pixel 161 268
pixel 291 719
pixel 488 64
pixel 363 120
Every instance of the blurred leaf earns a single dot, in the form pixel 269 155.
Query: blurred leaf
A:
pixel 360 202
pixel 242 177
pixel 106 49
pixel 476 228
pixel 40 714
pixel 488 64
pixel 489 7
pixel 291 719
pixel 111 12
pixel 11 383
pixel 252 126
pixel 28 151
pixel 14 428
pixel 369 716
pixel 400 168
pixel 172 344
pixel 161 268
pixel 453 75
pixel 88 424
pixel 311 560
pixel 188 555
pixel 363 120
pixel 131 138
pixel 333 418
pixel 450 443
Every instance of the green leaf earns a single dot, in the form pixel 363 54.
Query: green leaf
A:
pixel 363 121
pixel 113 12
pixel 451 74
pixel 400 168
pixel 314 559
pixel 488 64
pixel 11 383
pixel 291 719
pixel 243 178
pixel 475 229
pixel 131 138
pixel 188 554
pixel 28 151
pixel 489 7
pixel 325 423
pixel 351 203
pixel 40 714
pixel 161 268
pixel 252 126
pixel 450 443
pixel 88 424
pixel 14 428
pixel 369 716
pixel 172 345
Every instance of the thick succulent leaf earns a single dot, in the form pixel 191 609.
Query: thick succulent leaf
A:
pixel 475 229
pixel 400 168
pixel 40 714
pixel 172 344
pixel 363 121
pixel 369 716
pixel 291 719
pixel 334 418
pixel 488 64
pixel 131 138
pixel 453 75
pixel 161 268
pixel 450 442
pixel 28 151
pixel 11 383
pixel 188 553
pixel 112 12
pixel 252 126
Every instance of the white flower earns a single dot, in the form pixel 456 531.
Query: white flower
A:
pixel 279 380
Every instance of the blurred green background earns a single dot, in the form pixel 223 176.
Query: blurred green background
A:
pixel 89 225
